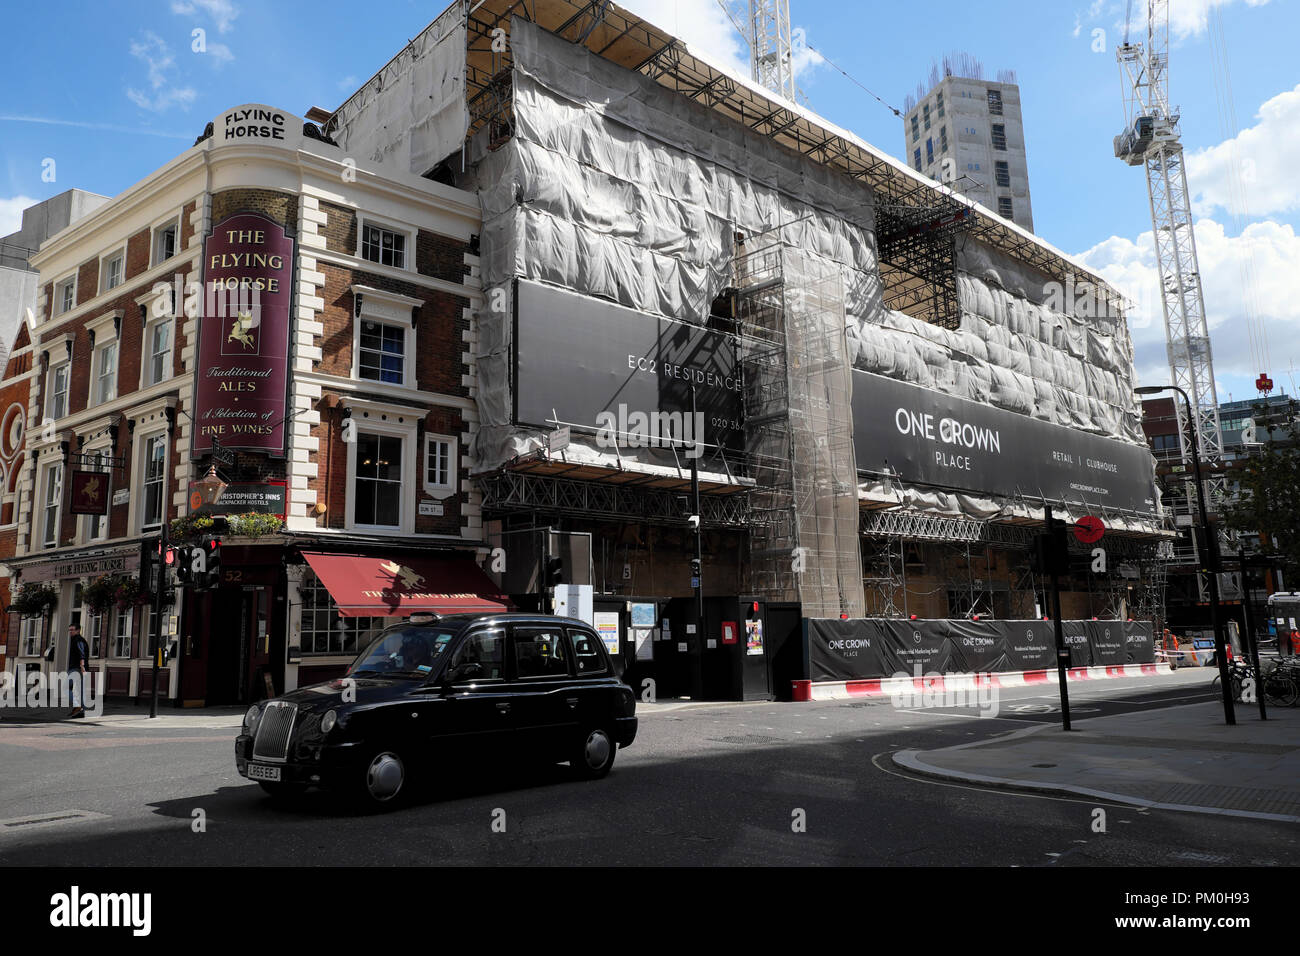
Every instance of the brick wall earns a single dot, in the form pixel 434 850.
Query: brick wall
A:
pixel 279 206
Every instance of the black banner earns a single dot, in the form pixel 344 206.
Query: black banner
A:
pixel 933 438
pixel 586 362
pixel 879 647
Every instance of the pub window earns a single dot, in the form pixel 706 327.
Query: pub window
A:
pixel 164 241
pixel 382 352
pixel 65 295
pixel 324 630
pixel 105 386
pixel 111 271
pixel 439 463
pixel 154 471
pixel 95 633
pixel 52 509
pixel 122 632
pixel 31 631
pixel 377 498
pixel 158 343
pixel 383 246
pixel 58 403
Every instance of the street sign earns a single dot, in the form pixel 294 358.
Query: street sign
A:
pixel 1089 529
pixel 223 455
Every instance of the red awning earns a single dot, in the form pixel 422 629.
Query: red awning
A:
pixel 392 587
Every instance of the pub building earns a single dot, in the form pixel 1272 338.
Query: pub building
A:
pixel 268 330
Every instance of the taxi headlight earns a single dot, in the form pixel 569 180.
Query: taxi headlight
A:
pixel 328 721
pixel 250 718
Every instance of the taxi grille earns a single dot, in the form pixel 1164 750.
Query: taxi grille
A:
pixel 273 731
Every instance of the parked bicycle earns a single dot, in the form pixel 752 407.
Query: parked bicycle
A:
pixel 1281 683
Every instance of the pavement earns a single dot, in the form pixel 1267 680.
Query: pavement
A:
pixel 1183 758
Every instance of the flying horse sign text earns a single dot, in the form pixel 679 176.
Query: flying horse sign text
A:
pixel 244 341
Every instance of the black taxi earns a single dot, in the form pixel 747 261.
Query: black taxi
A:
pixel 433 691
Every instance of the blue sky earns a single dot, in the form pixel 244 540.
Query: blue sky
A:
pixel 111 91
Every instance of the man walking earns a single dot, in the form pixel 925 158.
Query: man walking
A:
pixel 78 657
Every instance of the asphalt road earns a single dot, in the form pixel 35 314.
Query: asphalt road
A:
pixel 710 784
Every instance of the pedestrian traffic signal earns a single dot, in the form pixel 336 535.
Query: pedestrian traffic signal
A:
pixel 210 573
pixel 554 570
pixel 1052 549
pixel 151 559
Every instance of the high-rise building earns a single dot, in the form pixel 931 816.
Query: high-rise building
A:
pixel 968 132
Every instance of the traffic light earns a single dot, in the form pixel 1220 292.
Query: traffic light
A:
pixel 554 570
pixel 1052 549
pixel 150 560
pixel 207 567
pixel 695 572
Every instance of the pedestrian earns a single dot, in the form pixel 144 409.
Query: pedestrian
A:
pixel 1295 642
pixel 78 657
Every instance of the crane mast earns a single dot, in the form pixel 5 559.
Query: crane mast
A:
pixel 1151 138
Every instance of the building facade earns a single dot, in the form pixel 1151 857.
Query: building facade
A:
pixel 970 133
pixel 269 310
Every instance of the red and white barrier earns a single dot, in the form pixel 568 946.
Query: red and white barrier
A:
pixel 939 683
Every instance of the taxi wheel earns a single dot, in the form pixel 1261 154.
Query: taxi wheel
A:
pixel 593 753
pixel 381 780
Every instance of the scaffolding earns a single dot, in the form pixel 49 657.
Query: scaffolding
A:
pixel 798 429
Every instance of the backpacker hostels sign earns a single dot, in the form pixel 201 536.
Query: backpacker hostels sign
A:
pixel 242 390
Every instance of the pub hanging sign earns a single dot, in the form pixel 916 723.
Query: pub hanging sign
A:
pixel 243 378
pixel 89 493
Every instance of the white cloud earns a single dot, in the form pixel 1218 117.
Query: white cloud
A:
pixel 1264 158
pixel 1186 17
pixel 1267 251
pixel 223 12
pixel 702 24
pixel 705 26
pixel 154 53
pixel 220 53
pixel 348 83
pixel 11 213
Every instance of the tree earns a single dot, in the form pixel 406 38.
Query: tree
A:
pixel 1268 497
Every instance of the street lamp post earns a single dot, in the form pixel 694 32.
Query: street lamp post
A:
pixel 1211 549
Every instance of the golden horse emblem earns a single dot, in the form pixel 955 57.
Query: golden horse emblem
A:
pixel 409 579
pixel 242 330
pixel 90 490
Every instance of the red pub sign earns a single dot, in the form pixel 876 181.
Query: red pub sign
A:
pixel 242 390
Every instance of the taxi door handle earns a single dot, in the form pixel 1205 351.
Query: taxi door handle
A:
pixel 571 701
pixel 503 709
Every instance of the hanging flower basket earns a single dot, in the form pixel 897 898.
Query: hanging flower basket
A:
pixel 109 590
pixel 34 600
pixel 253 525
pixel 190 526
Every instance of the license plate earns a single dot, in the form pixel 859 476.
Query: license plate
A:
pixel 257 771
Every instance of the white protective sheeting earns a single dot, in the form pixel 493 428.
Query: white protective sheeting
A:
pixel 412 112
pixel 616 187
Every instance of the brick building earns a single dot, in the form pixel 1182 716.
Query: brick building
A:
pixel 295 321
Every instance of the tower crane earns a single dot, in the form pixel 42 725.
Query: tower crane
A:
pixel 1151 139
